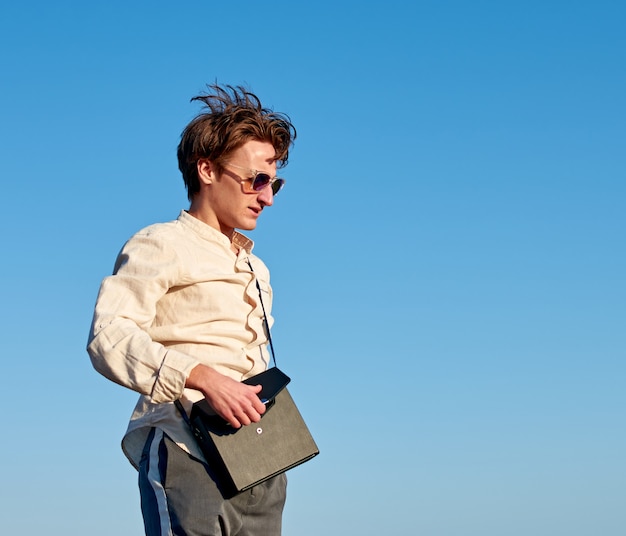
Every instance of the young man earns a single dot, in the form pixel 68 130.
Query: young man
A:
pixel 181 319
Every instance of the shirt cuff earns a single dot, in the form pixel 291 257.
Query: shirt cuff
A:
pixel 172 376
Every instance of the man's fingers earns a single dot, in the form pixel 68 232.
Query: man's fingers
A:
pixel 236 402
pixel 248 410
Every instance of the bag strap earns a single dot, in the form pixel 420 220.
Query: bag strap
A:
pixel 265 322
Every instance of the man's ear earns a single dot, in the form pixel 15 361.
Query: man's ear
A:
pixel 206 171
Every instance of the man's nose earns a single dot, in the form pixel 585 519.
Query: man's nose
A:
pixel 266 196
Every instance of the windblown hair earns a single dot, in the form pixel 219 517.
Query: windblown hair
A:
pixel 232 116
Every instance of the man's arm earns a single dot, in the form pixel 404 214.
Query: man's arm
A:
pixel 122 350
pixel 120 346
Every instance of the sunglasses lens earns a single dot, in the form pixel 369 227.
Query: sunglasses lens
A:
pixel 277 185
pixel 263 179
pixel 260 181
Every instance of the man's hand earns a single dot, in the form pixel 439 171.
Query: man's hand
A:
pixel 234 401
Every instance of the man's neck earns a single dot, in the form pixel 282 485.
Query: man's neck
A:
pixel 208 217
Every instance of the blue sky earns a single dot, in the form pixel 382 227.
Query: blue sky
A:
pixel 447 255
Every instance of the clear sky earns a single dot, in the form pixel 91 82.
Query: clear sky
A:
pixel 447 256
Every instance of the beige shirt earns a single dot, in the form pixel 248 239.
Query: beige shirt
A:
pixel 178 297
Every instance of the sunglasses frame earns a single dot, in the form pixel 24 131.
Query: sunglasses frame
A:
pixel 271 181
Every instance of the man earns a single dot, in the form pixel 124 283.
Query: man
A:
pixel 181 318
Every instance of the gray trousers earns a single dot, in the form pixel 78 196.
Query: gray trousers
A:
pixel 180 498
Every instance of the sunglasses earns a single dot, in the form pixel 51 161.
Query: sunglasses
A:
pixel 260 180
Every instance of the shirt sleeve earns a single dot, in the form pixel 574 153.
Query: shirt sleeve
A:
pixel 120 346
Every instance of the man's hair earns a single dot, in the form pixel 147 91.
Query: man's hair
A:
pixel 232 116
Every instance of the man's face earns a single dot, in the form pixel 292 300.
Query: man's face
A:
pixel 231 203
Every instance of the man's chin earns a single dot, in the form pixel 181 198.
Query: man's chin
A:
pixel 248 226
